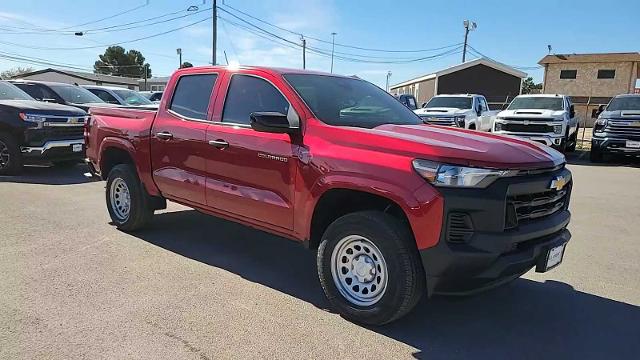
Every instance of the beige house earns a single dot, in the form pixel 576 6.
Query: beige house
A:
pixel 590 79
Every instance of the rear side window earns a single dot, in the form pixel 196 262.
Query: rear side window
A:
pixel 192 94
pixel 37 91
pixel 105 96
pixel 249 94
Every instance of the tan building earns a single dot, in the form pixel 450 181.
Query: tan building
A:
pixel 497 82
pixel 590 79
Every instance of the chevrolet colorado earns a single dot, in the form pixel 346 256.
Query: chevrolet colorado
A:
pixel 617 129
pixel 395 208
pixel 34 132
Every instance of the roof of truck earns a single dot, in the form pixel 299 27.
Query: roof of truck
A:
pixel 276 70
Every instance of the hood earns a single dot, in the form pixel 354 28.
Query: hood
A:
pixel 457 146
pixel 41 107
pixel 440 111
pixel 621 114
pixel 532 113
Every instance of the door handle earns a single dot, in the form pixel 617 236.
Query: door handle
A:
pixel 163 135
pixel 219 144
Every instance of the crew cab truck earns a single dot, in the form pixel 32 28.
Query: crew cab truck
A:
pixel 617 129
pixel 37 132
pixel 467 111
pixel 395 208
pixel 546 118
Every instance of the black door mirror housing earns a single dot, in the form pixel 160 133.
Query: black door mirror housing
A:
pixel 272 122
pixel 601 108
pixel 572 111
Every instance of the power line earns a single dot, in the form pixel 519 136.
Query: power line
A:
pixel 478 53
pixel 108 17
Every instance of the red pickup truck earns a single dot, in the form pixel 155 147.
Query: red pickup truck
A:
pixel 395 208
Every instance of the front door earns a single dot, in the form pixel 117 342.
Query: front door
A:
pixel 250 173
pixel 178 140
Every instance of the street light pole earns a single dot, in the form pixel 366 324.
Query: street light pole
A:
pixel 388 76
pixel 468 26
pixel 333 47
pixel 214 23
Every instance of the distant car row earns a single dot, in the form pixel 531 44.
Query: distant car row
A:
pixel 44 121
pixel 547 118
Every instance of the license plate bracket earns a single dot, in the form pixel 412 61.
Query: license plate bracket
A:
pixel 632 144
pixel 552 258
pixel 76 147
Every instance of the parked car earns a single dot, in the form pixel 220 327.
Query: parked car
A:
pixel 153 96
pixel 546 118
pixel 394 207
pixel 617 129
pixel 120 96
pixel 60 93
pixel 35 132
pixel 468 111
pixel 408 101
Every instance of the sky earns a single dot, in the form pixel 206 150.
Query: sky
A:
pixel 515 33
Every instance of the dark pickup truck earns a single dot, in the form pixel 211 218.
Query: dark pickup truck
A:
pixel 395 208
pixel 60 93
pixel 617 129
pixel 33 132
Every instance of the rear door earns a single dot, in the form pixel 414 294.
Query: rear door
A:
pixel 178 143
pixel 250 173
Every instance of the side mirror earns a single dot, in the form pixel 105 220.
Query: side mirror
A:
pixel 479 110
pixel 572 111
pixel 601 108
pixel 275 122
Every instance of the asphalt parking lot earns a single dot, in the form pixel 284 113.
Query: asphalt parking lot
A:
pixel 196 287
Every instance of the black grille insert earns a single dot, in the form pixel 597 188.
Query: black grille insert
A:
pixel 531 128
pixel 522 208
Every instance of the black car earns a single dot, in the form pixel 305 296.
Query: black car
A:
pixel 617 129
pixel 60 93
pixel 34 132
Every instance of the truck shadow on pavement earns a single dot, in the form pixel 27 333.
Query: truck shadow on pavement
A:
pixel 525 319
pixel 581 157
pixel 45 175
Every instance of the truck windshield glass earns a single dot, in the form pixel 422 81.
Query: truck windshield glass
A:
pixel 624 103
pixel 456 102
pixel 350 102
pixel 75 94
pixel 132 98
pixel 538 103
pixel 11 92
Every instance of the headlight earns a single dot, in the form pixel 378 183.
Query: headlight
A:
pixel 457 176
pixel 602 121
pixel 33 117
pixel 459 119
pixel 557 129
pixel 497 126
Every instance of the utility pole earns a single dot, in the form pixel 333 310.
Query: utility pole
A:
pixel 304 52
pixel 468 26
pixel 179 52
pixel 146 68
pixel 333 47
pixel 388 76
pixel 214 21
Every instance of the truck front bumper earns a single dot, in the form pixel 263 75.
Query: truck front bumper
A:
pixel 55 150
pixel 483 244
pixel 549 139
pixel 614 144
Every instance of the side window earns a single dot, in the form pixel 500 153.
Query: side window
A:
pixel 32 90
pixel 249 94
pixel 105 96
pixel 192 95
pixel 412 103
pixel 568 74
pixel 483 104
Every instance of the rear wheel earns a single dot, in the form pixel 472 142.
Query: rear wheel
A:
pixel 369 267
pixel 574 140
pixel 10 156
pixel 128 203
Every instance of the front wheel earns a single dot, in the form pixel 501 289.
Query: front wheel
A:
pixel 369 267
pixel 10 156
pixel 128 203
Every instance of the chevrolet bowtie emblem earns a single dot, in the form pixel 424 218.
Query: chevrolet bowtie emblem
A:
pixel 558 183
pixel 73 120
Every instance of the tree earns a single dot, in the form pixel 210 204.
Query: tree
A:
pixel 186 64
pixel 13 72
pixel 529 87
pixel 116 61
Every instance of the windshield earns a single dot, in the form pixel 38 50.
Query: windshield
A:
pixel 450 102
pixel 540 103
pixel 624 103
pixel 11 92
pixel 132 97
pixel 75 94
pixel 350 102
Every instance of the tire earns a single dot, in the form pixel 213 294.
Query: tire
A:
pixel 65 163
pixel 122 184
pixel 391 293
pixel 10 156
pixel 596 155
pixel 574 140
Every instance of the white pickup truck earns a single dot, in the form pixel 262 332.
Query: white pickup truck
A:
pixel 546 118
pixel 469 111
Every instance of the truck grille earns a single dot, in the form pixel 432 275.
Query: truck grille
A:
pixel 530 128
pixel 438 120
pixel 624 127
pixel 523 208
pixel 65 133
